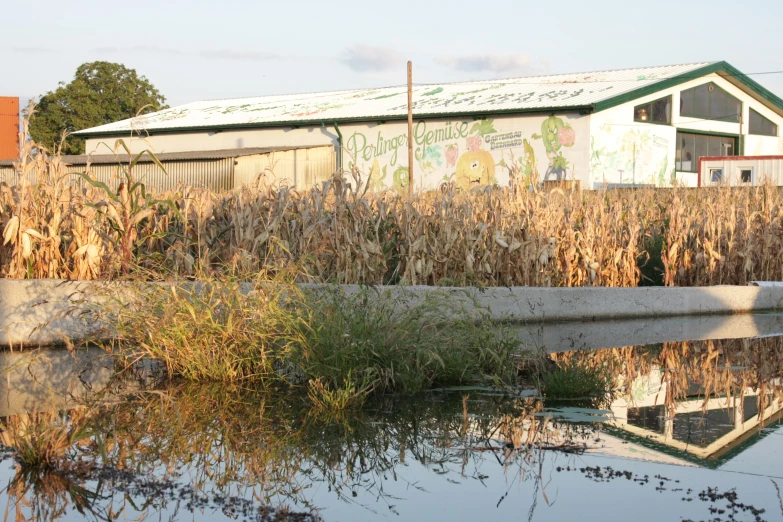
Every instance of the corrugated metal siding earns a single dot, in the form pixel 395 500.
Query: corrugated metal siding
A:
pixel 211 174
pixel 9 128
pixel 763 170
pixel 302 168
pixel 539 93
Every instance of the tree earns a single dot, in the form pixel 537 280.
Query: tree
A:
pixel 100 93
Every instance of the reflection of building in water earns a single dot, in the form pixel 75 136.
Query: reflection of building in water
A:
pixel 707 429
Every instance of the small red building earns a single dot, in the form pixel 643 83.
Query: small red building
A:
pixel 9 128
pixel 740 170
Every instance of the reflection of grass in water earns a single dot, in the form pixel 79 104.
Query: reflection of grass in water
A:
pixel 230 441
pixel 573 380
pixel 42 440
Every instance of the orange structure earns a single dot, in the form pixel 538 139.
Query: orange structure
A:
pixel 9 127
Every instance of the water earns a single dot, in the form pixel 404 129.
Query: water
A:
pixel 693 433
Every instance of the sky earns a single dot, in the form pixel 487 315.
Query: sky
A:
pixel 197 50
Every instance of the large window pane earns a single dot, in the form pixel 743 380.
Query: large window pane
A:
pixel 715 146
pixel 755 122
pixel 702 148
pixel 690 147
pixel 727 147
pixel 761 125
pixel 686 102
pixel 642 112
pixel 662 110
pixel 701 102
pixel 735 109
pixel 710 102
pixel 717 104
pixel 686 144
pixel 656 111
pixel 678 154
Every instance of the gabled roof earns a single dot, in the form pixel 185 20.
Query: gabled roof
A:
pixel 579 92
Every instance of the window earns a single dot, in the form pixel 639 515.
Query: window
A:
pixel 746 175
pixel 709 102
pixel 716 176
pixel 657 111
pixel 761 125
pixel 690 147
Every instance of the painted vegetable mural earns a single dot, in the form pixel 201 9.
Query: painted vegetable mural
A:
pixel 476 166
pixel 464 153
pixel 555 135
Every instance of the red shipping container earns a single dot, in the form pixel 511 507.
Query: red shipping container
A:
pixel 9 128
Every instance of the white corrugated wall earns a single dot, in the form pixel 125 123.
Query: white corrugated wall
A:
pixel 214 174
pixel 763 170
pixel 302 167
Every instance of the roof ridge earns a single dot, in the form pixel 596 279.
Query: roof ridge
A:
pixel 428 84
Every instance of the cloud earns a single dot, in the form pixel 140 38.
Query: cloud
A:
pixel 365 58
pixel 495 63
pixel 212 54
pixel 32 50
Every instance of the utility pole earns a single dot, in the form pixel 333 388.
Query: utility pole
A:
pixel 410 127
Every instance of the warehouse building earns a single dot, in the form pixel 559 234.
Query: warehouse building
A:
pixel 213 169
pixel 646 126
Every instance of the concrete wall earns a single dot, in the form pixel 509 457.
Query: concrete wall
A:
pixel 40 312
pixel 622 150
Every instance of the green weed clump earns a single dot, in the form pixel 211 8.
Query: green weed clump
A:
pixel 572 380
pixel 377 342
pixel 219 330
pixel 344 347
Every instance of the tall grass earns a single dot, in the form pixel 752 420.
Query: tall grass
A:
pixel 343 346
pixel 384 343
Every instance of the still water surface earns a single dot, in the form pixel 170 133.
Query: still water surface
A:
pixel 691 433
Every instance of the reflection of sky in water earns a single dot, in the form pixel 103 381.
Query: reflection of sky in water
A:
pixel 486 490
pixel 530 485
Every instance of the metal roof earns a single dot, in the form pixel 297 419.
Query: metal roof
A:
pixel 538 93
pixel 103 159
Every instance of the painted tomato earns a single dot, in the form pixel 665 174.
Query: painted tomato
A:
pixel 452 152
pixel 473 143
pixel 475 168
pixel 566 136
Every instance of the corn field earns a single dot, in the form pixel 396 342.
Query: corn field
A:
pixel 70 226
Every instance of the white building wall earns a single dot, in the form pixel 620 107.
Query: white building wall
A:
pixel 615 136
pixel 468 151
pixel 220 139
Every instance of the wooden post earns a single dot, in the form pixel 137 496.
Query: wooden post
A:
pixel 410 127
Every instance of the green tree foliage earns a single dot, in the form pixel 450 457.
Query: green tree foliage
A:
pixel 100 93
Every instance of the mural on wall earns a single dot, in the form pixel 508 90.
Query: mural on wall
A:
pixel 465 153
pixel 476 166
pixel 556 135
pixel 633 155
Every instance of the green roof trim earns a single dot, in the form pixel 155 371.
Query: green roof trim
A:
pixel 720 458
pixel 733 75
